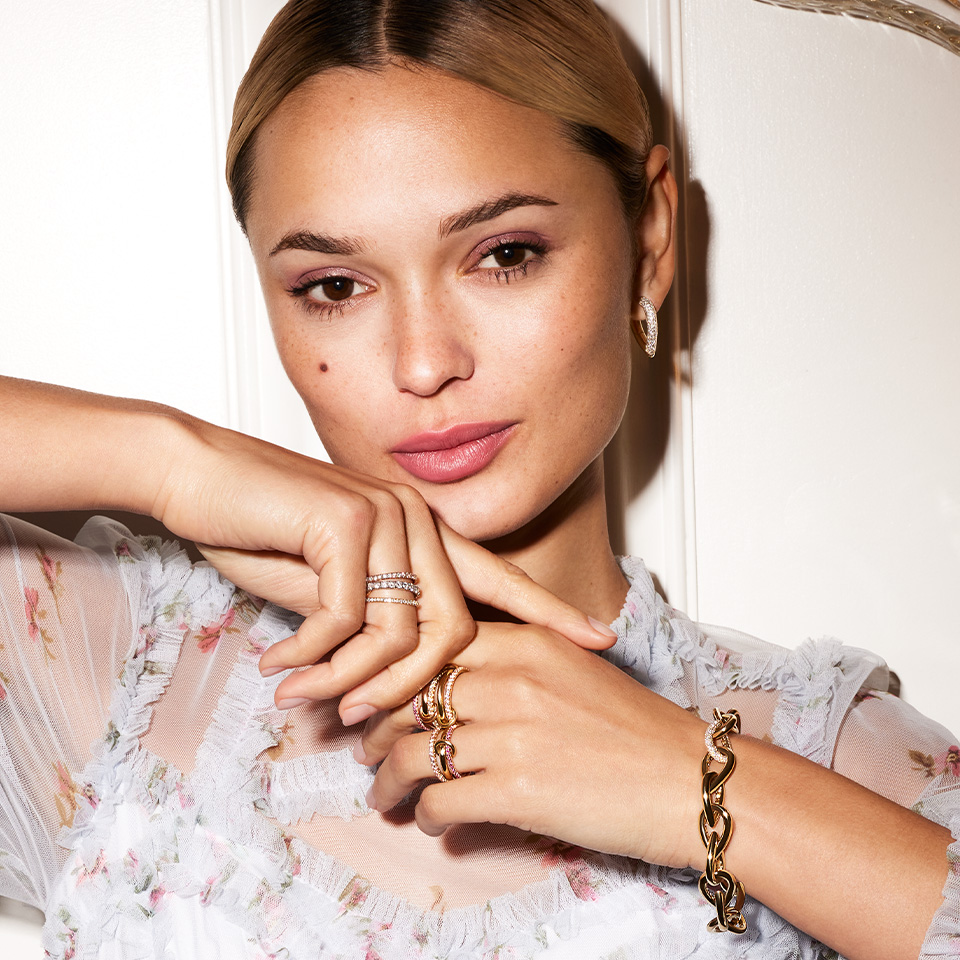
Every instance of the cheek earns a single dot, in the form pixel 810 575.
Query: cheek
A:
pixel 332 384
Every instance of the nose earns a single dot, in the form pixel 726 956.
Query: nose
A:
pixel 433 345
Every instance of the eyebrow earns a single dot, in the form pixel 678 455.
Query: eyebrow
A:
pixel 349 246
pixel 318 243
pixel 490 210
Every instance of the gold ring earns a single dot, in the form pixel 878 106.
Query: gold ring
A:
pixel 433 710
pixel 442 752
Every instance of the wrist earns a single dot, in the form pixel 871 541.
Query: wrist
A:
pixel 150 440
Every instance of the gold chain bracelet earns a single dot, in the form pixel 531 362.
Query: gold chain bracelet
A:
pixel 718 884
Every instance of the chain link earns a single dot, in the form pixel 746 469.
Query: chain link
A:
pixel 720 887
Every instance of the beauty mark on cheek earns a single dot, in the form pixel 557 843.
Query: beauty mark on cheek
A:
pixel 323 368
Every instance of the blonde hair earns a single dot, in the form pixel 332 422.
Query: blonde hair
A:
pixel 556 56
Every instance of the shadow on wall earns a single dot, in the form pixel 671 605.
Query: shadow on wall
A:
pixel 638 449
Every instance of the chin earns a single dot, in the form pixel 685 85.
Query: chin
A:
pixel 478 518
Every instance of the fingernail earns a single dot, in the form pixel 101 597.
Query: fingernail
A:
pixel 271 671
pixel 352 715
pixel 292 702
pixel 359 754
pixel 371 801
pixel 601 628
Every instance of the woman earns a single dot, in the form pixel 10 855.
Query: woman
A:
pixel 455 315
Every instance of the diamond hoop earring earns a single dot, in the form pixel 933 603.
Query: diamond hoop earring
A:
pixel 646 334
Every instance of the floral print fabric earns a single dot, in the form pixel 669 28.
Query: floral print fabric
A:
pixel 153 796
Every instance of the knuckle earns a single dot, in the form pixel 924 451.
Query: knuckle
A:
pixel 431 804
pixel 408 496
pixel 388 507
pixel 357 515
pixel 404 640
pixel 522 692
pixel 511 582
pixel 460 633
pixel 523 792
pixel 345 620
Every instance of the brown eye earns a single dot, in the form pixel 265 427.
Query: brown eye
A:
pixel 510 255
pixel 338 288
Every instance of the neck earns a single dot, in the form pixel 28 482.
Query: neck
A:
pixel 567 549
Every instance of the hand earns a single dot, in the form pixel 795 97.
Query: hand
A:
pixel 305 534
pixel 562 743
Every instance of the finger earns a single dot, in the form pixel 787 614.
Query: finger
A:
pixel 500 584
pixel 468 800
pixel 386 728
pixel 389 630
pixel 279 578
pixel 408 763
pixel 338 555
pixel 445 624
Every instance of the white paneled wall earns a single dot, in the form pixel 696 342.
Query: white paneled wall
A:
pixel 110 260
pixel 811 482
pixel 805 477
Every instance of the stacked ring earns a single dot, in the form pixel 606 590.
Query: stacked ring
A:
pixel 433 711
pixel 399 580
pixel 442 752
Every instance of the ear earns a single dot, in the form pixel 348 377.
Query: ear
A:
pixel 656 230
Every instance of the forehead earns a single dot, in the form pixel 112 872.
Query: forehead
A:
pixel 412 137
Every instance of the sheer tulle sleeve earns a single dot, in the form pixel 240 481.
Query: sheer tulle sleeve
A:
pixel 65 628
pixel 889 747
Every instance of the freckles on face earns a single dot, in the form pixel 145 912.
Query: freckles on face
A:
pixel 438 261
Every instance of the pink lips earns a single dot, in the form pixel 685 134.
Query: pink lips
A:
pixel 452 454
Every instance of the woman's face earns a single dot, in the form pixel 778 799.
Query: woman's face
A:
pixel 449 284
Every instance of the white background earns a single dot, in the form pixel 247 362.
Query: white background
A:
pixel 793 463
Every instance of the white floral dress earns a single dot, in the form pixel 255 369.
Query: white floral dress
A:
pixel 155 804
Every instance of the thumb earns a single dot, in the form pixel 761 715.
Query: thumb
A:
pixel 494 581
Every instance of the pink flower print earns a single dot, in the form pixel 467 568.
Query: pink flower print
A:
pixel 99 867
pixel 185 798
pixel 931 766
pixel 31 606
pixel 50 570
pixel 51 573
pixel 209 636
pixel 580 877
pixel 148 637
pixel 90 795
pixel 156 895
pixel 66 795
pixel 207 894
pixel 123 553
pixel 354 894
pixel 721 656
pixel 255 645
pixel 666 900
pixel 558 852
pixel 294 863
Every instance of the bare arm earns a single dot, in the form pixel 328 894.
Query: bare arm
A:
pixel 291 529
pixel 63 449
pixel 569 746
pixel 858 872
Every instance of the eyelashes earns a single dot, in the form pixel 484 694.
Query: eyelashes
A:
pixel 330 295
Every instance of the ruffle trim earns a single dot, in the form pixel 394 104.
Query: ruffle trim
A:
pixel 324 784
pixel 156 576
pixel 816 682
pixel 282 893
pixel 301 903
pixel 940 802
